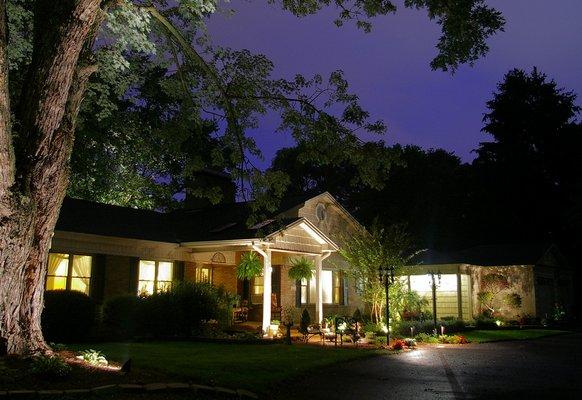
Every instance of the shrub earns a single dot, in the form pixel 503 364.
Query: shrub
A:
pixel 451 326
pixel 357 316
pixel 485 322
pixel 410 342
pixel 426 338
pixel 372 327
pixel 68 316
pixel 50 367
pixel 93 357
pixel 398 345
pixel 380 340
pixel 183 310
pixel 121 316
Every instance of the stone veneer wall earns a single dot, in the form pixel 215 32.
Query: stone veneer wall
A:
pixel 521 279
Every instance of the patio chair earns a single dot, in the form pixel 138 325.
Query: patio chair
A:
pixel 276 309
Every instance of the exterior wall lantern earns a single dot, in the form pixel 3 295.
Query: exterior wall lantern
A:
pixel 386 277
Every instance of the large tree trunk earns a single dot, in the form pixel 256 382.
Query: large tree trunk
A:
pixel 34 162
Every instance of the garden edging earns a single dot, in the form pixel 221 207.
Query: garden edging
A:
pixel 150 387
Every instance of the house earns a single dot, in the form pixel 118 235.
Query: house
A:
pixel 538 273
pixel 106 251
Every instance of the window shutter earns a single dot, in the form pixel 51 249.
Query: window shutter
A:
pixel 298 293
pixel 178 271
pixel 345 289
pixel 133 275
pixel 97 290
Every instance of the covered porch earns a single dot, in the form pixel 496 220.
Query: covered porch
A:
pixel 271 291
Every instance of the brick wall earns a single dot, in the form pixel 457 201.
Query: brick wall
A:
pixel 117 276
pixel 225 275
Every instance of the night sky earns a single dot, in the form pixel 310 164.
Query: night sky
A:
pixel 389 68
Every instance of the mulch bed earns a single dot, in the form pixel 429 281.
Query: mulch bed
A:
pixel 15 374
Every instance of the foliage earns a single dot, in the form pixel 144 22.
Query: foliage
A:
pixel 398 344
pixel 513 300
pixel 452 339
pixel 381 340
pixel 120 316
pixel 372 327
pixel 357 316
pixel 288 315
pixel 249 266
pixel 183 310
pixel 367 252
pixel 304 322
pixel 484 321
pixel 301 268
pixel 413 306
pixel 93 357
pixel 403 328
pixel 426 338
pixel 492 284
pixel 74 325
pixel 50 367
pixel 410 342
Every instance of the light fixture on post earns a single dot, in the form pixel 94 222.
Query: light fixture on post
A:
pixel 386 277
pixel 433 276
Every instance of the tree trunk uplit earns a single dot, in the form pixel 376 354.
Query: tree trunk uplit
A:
pixel 34 159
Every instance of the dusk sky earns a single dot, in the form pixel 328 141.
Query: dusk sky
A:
pixel 389 68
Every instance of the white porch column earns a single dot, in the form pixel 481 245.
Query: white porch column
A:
pixel 318 289
pixel 267 269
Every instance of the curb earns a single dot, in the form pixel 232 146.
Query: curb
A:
pixel 150 387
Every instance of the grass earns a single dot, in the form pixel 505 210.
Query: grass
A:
pixel 482 336
pixel 248 366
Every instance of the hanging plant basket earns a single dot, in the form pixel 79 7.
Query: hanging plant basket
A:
pixel 301 268
pixel 249 266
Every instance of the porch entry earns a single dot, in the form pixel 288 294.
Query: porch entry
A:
pixel 253 291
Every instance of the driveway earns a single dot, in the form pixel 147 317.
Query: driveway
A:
pixel 544 368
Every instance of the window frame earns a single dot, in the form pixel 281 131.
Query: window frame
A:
pixel 199 273
pixel 69 277
pixel 334 302
pixel 156 271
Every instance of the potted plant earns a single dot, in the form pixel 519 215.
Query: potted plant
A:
pixel 301 268
pixel 249 266
pixel 274 328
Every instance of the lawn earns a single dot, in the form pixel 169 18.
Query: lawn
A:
pixel 482 336
pixel 249 366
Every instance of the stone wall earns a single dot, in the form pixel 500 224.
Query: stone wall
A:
pixel 521 280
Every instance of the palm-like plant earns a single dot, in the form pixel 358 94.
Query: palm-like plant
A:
pixel 249 266
pixel 301 268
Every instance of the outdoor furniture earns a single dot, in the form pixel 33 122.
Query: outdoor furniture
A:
pixel 313 330
pixel 241 314
pixel 275 308
pixel 346 326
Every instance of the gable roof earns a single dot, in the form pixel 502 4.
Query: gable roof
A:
pixel 491 255
pixel 220 222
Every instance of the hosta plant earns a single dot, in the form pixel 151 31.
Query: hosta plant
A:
pixel 93 357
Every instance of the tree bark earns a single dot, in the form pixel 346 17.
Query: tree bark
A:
pixel 34 181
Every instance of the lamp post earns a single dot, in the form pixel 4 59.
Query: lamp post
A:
pixel 434 286
pixel 386 277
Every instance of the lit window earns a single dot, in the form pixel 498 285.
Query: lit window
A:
pixel 69 272
pixel 331 287
pixel 257 290
pixel 154 276
pixel 204 275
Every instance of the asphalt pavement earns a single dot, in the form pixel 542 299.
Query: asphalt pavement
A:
pixel 546 368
